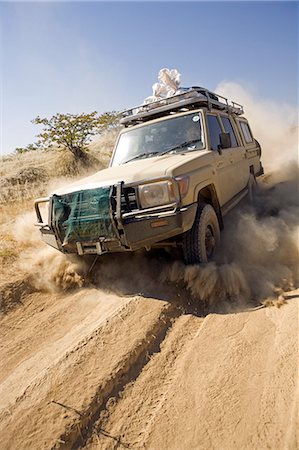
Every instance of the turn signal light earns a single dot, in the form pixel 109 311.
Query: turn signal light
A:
pixel 183 183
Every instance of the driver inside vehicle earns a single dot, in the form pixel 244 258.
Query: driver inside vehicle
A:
pixel 193 136
pixel 159 140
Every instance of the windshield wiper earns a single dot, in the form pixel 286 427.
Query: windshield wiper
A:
pixel 142 155
pixel 181 146
pixel 172 149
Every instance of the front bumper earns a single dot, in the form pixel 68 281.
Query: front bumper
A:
pixel 131 231
pixel 135 231
pixel 147 231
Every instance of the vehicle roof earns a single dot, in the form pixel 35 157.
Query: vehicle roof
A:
pixel 186 99
pixel 164 117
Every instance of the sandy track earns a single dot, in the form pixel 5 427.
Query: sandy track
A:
pixel 226 381
pixel 74 350
pixel 91 370
pixel 45 333
pixel 99 371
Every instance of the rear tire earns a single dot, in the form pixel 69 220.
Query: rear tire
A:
pixel 201 241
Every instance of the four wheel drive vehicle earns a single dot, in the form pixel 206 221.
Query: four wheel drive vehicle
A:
pixel 179 165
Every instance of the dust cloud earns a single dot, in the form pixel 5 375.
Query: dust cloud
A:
pixel 49 270
pixel 258 258
pixel 274 124
pixel 259 253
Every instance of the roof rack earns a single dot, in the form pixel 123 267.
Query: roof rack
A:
pixel 186 99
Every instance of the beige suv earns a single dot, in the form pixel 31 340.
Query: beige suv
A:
pixel 179 165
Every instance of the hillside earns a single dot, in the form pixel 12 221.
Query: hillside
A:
pixel 139 351
pixel 27 176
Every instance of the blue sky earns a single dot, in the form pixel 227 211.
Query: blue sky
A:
pixel 84 56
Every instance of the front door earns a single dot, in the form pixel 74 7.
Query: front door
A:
pixel 223 161
pixel 238 159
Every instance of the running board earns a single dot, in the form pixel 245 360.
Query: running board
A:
pixel 234 201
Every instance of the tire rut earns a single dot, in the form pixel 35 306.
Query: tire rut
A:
pixel 127 372
pixel 129 417
pixel 13 293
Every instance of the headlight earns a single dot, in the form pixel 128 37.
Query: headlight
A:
pixel 157 193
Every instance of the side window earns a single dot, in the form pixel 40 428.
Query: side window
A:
pixel 246 132
pixel 214 131
pixel 229 129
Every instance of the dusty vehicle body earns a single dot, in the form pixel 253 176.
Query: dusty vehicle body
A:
pixel 179 165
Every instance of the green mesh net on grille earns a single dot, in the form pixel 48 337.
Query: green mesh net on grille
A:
pixel 83 215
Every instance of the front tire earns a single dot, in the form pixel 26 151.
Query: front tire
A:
pixel 201 241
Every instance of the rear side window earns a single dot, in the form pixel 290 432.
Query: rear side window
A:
pixel 214 131
pixel 229 129
pixel 246 132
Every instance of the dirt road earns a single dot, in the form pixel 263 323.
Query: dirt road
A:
pixel 148 353
pixel 94 370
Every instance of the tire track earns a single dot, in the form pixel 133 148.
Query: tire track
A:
pixel 127 372
pixel 56 341
pixel 71 389
pixel 13 293
pixel 128 418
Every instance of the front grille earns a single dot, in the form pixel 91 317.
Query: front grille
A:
pixel 129 200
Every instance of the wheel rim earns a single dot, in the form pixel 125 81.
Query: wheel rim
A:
pixel 210 242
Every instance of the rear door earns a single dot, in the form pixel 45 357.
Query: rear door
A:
pixel 252 148
pixel 240 169
pixel 223 160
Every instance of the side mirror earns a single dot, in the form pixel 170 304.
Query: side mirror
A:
pixel 225 140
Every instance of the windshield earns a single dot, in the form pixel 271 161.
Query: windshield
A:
pixel 177 134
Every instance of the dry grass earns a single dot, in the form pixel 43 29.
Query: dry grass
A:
pixel 9 250
pixel 27 176
pixel 104 144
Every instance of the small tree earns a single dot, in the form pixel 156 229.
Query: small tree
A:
pixel 74 131
pixel 29 148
